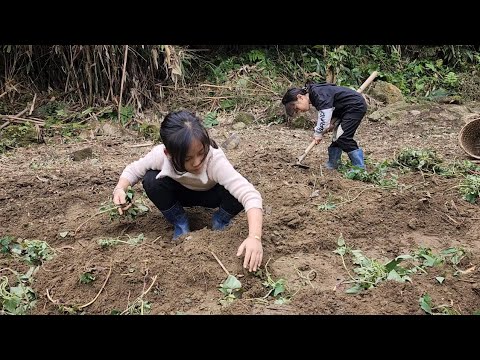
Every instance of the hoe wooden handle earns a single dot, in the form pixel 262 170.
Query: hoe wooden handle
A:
pixel 367 82
pixel 307 150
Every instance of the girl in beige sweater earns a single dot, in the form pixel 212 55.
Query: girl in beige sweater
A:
pixel 189 169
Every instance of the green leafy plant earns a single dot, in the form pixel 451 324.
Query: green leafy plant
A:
pixel 15 136
pixel 464 167
pixel 327 206
pixel 454 254
pixel 256 56
pixel 5 244
pixel 377 176
pixel 139 307
pixel 231 289
pixel 369 272
pixel 18 299
pixel 226 104
pixel 428 258
pixel 276 288
pixel 470 188
pixel 137 208
pixel 35 252
pixel 426 305
pixel 104 243
pixel 87 278
pixel 126 114
pixel 422 160
pixel 210 120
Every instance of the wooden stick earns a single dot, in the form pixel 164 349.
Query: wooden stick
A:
pixel 49 297
pixel 101 289
pixel 14 118
pixel 140 145
pixel 9 119
pixel 22 112
pixel 220 97
pixel 33 105
pixel 217 86
pixel 123 80
pixel 263 87
pixel 90 218
pixel 451 219
pixel 218 260
pixel 367 82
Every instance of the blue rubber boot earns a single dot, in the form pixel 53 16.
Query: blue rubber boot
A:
pixel 356 157
pixel 176 215
pixel 220 219
pixel 334 155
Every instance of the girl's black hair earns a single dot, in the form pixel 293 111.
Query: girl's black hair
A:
pixel 177 132
pixel 290 97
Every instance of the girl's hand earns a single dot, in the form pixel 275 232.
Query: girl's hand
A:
pixel 330 128
pixel 317 138
pixel 253 252
pixel 119 199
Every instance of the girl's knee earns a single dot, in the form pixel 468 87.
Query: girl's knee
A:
pixel 149 180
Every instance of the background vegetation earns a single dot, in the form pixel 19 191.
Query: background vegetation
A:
pixel 59 88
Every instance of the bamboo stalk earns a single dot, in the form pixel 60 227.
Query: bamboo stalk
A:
pixel 17 119
pixel 217 86
pixel 122 81
pixel 88 70
pixel 33 104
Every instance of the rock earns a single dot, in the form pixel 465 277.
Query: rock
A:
pixel 232 142
pixel 455 99
pixel 108 129
pixel 412 224
pixel 294 223
pixel 386 92
pixel 391 113
pixel 245 118
pixel 83 154
pixel 96 180
pixel 239 126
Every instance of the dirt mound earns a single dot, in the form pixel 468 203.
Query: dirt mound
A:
pixel 45 195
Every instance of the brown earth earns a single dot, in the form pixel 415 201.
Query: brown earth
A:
pixel 44 192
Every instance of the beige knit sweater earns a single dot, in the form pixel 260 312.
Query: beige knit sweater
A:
pixel 216 169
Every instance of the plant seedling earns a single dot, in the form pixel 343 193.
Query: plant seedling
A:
pixel 231 289
pixel 87 278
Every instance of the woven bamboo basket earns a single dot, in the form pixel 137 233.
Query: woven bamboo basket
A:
pixel 469 138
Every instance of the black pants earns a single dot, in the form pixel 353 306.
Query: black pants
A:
pixel 166 192
pixel 350 122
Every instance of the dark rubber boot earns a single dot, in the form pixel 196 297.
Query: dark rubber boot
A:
pixel 176 215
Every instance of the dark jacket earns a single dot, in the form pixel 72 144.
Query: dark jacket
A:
pixel 326 96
